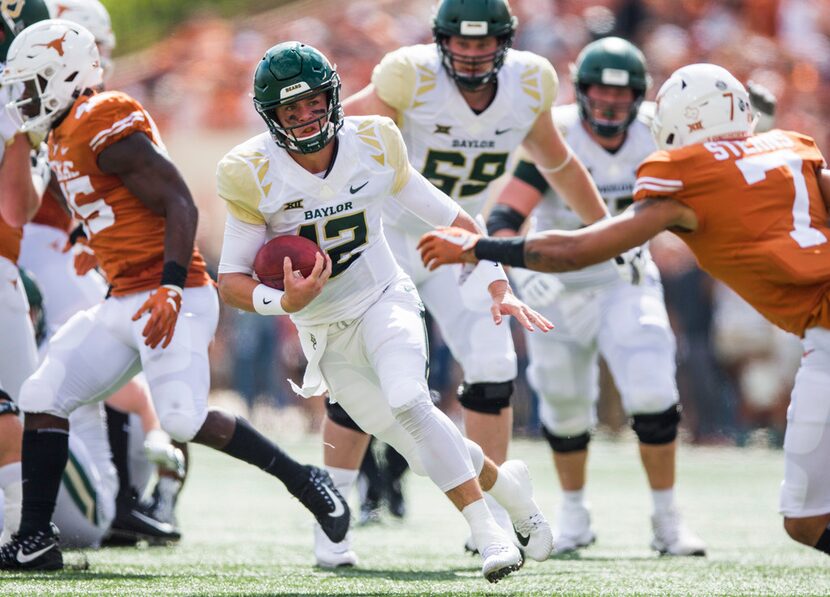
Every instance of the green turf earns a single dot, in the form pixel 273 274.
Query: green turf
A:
pixel 244 536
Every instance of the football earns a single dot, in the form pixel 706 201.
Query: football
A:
pixel 269 258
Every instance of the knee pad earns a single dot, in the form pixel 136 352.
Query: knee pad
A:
pixel 486 397
pixel 7 406
pixel 476 455
pixel 337 414
pixel 180 425
pixel 659 428
pixel 564 444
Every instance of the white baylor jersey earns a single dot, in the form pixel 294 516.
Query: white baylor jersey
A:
pixel 613 173
pixel 457 150
pixel 262 184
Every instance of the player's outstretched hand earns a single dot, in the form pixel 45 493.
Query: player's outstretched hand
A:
pixel 506 303
pixel 85 259
pixel 163 305
pixel 300 291
pixel 447 245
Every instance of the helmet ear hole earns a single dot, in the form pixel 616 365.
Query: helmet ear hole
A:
pixel 670 139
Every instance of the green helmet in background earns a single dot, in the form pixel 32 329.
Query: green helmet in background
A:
pixel 15 17
pixel 615 62
pixel 289 72
pixel 473 18
pixel 36 310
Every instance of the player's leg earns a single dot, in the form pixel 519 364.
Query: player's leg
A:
pixel 805 492
pixel 86 360
pixel 86 500
pixel 563 372
pixel 179 380
pixel 638 345
pixel 488 360
pixel 393 333
pixel 18 359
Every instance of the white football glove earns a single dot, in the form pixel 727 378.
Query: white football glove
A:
pixel 160 451
pixel 632 265
pixel 535 288
pixel 41 171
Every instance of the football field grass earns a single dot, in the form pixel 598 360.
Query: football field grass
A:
pixel 243 535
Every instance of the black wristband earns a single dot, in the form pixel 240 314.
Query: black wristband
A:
pixel 173 274
pixel 509 251
pixel 76 233
pixel 504 217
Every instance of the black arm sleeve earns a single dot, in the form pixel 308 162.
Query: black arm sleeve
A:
pixel 504 217
pixel 527 172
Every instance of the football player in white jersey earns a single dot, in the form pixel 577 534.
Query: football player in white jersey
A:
pixel 19 200
pixel 612 309
pixel 320 175
pixel 463 104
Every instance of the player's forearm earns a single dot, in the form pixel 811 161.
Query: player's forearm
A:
pixel 463 220
pixel 181 220
pixel 237 290
pixel 574 185
pixel 18 200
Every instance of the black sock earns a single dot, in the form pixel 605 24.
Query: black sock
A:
pixel 824 541
pixel 118 432
pixel 45 452
pixel 250 445
pixel 396 464
pixel 370 469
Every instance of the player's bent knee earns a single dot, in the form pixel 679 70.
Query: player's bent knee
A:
pixel 337 414
pixel 658 428
pixel 802 530
pixel 476 455
pixel 486 397
pixel 180 425
pixel 563 444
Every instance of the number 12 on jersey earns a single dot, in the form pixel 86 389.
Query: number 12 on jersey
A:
pixel 343 254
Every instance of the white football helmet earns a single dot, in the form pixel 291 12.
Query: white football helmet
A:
pixel 700 102
pixel 54 61
pixel 92 15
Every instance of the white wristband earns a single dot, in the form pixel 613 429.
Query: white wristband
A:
pixel 558 168
pixel 491 271
pixel 268 301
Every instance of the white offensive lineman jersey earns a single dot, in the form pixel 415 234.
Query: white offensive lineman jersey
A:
pixel 613 173
pixel 457 150
pixel 262 184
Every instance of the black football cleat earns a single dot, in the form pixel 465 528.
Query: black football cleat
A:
pixel 323 500
pixel 134 521
pixel 37 551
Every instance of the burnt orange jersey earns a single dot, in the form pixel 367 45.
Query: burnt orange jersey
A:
pixel 52 213
pixel 10 238
pixel 128 239
pixel 762 222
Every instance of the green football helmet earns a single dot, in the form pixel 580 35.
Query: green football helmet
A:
pixel 473 18
pixel 615 62
pixel 15 16
pixel 36 310
pixel 289 72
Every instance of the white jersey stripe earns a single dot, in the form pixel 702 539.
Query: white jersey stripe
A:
pixel 115 128
pixel 669 182
pixel 653 187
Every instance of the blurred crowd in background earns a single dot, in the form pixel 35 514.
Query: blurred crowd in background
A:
pixel 734 370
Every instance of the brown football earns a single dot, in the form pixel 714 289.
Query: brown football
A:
pixel 269 258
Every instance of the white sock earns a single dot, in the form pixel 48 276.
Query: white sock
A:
pixel 12 485
pixel 500 515
pixel 573 498
pixel 483 526
pixel 343 479
pixel 663 500
pixel 510 496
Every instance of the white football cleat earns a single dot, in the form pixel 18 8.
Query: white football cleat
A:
pixel 574 529
pixel 333 555
pixel 532 530
pixel 500 559
pixel 672 537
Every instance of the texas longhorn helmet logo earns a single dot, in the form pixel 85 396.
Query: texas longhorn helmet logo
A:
pixel 56 44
